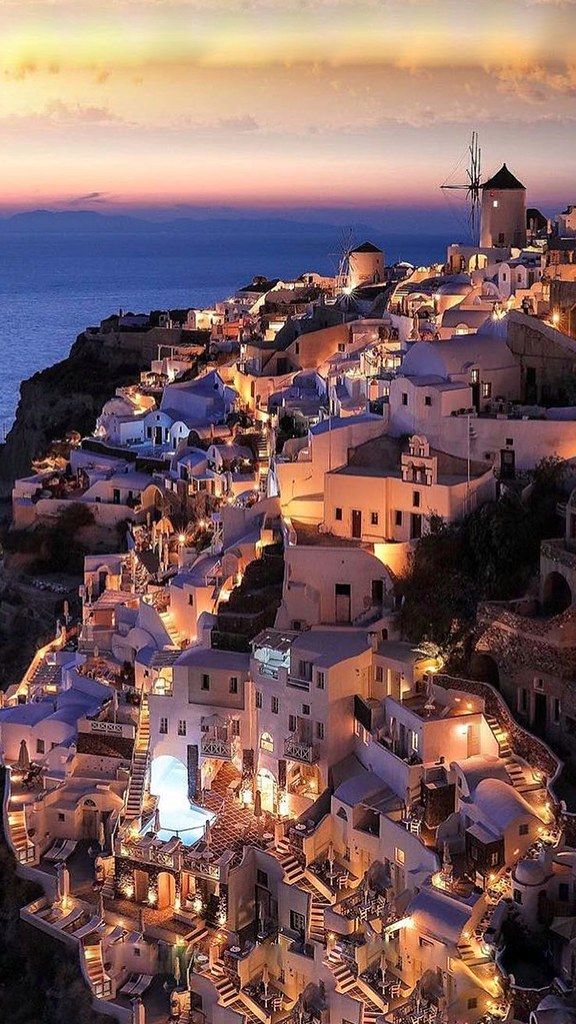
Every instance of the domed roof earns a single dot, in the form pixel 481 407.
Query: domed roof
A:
pixel 494 327
pixel 531 872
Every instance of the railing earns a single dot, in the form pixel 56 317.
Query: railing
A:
pixel 300 750
pixel 213 746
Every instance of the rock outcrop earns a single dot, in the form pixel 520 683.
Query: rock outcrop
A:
pixel 70 395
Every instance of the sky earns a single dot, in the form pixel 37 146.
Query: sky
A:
pixel 120 104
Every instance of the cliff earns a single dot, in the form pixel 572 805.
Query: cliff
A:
pixel 70 395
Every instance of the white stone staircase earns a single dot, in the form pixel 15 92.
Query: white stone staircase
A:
pixel 293 871
pixel 100 982
pixel 227 992
pixel 317 931
pixel 345 980
pixel 176 637
pixel 140 758
pixel 501 737
pixel 21 843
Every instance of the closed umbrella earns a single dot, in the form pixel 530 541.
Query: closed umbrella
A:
pixel 102 835
pixel 177 968
pixel 157 825
pixel 23 757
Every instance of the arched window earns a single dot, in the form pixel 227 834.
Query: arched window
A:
pixel 266 742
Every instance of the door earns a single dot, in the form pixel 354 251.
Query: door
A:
pixel 473 740
pixel 475 389
pixel 343 602
pixel 507 463
pixel 157 435
pixel 89 823
pixel 166 890
pixel 356 523
pixel 415 525
pixel 141 884
pixel 540 713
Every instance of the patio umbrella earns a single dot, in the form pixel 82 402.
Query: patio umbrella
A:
pixel 258 804
pixel 265 979
pixel 207 833
pixel 102 835
pixel 23 757
pixel 177 968
pixel 157 825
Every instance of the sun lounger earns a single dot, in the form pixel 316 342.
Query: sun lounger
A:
pixel 144 982
pixel 55 849
pixel 71 918
pixel 91 926
pixel 66 851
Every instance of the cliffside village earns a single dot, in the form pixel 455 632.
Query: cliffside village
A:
pixel 247 798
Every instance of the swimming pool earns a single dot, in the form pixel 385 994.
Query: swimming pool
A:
pixel 169 782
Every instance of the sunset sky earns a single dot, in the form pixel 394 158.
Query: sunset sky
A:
pixel 120 103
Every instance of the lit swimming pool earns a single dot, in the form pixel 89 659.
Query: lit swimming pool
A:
pixel 169 782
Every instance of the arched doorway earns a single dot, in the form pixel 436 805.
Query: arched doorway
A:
pixel 266 783
pixel 484 669
pixel 556 594
pixel 166 890
pixel 90 820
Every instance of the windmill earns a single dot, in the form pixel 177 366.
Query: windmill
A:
pixel 342 256
pixel 472 186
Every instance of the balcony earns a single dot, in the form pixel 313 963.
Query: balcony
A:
pixel 296 749
pixel 217 746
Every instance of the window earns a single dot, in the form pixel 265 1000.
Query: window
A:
pixel 305 709
pixel 274 705
pixel 404 398
pixel 182 727
pixel 291 723
pixel 338 515
pixel 235 726
pixel 233 684
pixel 379 674
pixel 494 858
pixel 305 670
pixel 374 519
pixel 320 680
pixel 472 1003
pixel 495 205
pixel 319 730
pixel 475 376
pixel 258 698
pixel 262 877
pixel 523 829
pixel 399 855
pixel 191 599
pixel 509 441
pixel 427 399
pixel 266 742
pixel 163 727
pixel 205 681
pixel 486 389
pixel 556 709
pixel 40 746
pixel 61 816
pixel 416 499
pixel 398 517
pixel 564 892
pixel 517 896
pixel 297 922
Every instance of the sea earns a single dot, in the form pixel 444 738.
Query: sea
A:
pixel 55 282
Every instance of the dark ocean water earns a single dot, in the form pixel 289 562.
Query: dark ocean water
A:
pixel 54 283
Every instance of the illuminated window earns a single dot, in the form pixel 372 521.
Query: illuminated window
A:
pixel 399 855
pixel 266 742
pixel 495 204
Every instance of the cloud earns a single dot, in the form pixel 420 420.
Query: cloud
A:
pixel 537 83
pixel 89 197
pixel 58 114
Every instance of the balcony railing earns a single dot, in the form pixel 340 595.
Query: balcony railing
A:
pixel 300 750
pixel 216 746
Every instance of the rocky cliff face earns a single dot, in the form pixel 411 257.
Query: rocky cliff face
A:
pixel 69 396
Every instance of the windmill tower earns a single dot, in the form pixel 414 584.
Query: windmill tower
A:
pixel 472 187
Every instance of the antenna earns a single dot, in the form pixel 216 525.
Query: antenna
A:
pixel 472 186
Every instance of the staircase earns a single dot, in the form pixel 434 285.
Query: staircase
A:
pixel 108 886
pixel 504 748
pixel 140 758
pixel 317 932
pixel 100 982
pixel 22 844
pixel 469 957
pixel 371 1010
pixel 293 871
pixel 226 990
pixel 345 980
pixel 176 637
